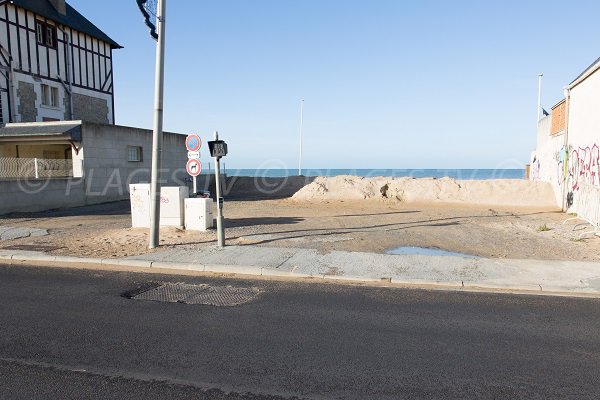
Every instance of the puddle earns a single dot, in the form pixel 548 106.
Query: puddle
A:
pixel 426 251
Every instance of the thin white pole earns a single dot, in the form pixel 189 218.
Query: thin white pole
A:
pixel 539 102
pixel 301 127
pixel 158 127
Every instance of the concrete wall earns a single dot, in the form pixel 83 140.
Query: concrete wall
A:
pixel 569 162
pixel 107 171
pixel 104 170
pixel 28 196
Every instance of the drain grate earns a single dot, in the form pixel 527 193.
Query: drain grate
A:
pixel 220 296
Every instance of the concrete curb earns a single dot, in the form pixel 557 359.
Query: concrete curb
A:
pixel 178 266
pixel 286 274
pixel 269 272
pixel 234 269
pixel 71 259
pixel 348 278
pixel 125 263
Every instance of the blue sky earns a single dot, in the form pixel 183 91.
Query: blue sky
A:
pixel 386 83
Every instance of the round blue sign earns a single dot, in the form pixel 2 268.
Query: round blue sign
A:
pixel 193 143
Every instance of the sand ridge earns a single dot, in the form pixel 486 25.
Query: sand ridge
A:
pixel 495 192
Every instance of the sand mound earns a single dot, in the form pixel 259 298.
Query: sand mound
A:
pixel 499 192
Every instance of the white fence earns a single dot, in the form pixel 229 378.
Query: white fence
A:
pixel 34 168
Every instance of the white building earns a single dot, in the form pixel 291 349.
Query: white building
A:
pixel 54 64
pixel 567 152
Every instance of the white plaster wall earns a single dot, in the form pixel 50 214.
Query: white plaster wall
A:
pixel 569 166
pixel 584 132
pixel 60 111
pixel 57 113
pixel 545 159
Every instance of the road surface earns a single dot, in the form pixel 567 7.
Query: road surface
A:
pixel 70 334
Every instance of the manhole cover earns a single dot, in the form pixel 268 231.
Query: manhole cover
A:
pixel 31 247
pixel 220 296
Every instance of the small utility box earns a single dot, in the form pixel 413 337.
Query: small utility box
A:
pixel 139 195
pixel 172 205
pixel 198 214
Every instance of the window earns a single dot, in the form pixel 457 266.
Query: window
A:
pixel 39 28
pixel 54 97
pixel 134 154
pixel 559 118
pixel 46 34
pixel 49 96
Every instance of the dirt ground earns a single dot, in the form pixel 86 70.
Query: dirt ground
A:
pixel 370 226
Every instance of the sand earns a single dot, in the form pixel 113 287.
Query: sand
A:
pixel 498 219
pixel 349 225
pixel 499 192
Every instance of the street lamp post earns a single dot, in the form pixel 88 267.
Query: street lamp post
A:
pixel 539 103
pixel 158 128
pixel 301 127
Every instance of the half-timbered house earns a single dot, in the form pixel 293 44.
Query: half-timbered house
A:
pixel 54 64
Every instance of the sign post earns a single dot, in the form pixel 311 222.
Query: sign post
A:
pixel 194 167
pixel 218 149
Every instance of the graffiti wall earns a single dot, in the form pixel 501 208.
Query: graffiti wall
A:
pixel 545 159
pixel 582 168
pixel 576 167
pixel 572 163
pixel 571 168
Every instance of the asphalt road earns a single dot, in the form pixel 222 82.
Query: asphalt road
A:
pixel 69 334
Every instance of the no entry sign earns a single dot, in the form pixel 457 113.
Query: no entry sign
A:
pixel 194 167
pixel 193 142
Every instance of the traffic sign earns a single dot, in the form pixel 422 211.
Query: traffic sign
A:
pixel 193 142
pixel 193 155
pixel 218 148
pixel 193 167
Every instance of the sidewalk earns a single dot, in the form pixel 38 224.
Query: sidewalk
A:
pixel 564 277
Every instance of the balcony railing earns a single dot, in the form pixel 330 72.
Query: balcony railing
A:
pixel 34 168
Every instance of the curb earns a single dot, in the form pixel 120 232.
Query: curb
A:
pixel 269 272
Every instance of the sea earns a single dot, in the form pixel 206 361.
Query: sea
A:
pixel 463 174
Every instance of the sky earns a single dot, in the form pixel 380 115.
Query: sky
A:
pixel 385 83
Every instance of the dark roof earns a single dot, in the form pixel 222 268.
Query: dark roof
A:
pixel 72 19
pixel 70 129
pixel 586 70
